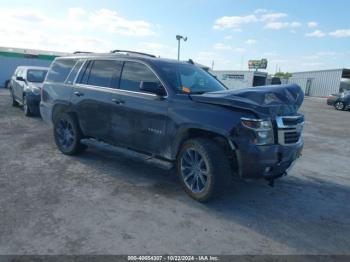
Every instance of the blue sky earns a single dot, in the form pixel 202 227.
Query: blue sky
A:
pixel 292 35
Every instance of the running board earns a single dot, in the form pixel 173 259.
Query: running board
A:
pixel 146 158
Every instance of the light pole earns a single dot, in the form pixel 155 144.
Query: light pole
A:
pixel 178 38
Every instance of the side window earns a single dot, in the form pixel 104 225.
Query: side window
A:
pixel 84 73
pixel 74 72
pixel 60 70
pixel 105 73
pixel 133 74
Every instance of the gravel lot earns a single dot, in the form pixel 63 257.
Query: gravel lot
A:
pixel 108 202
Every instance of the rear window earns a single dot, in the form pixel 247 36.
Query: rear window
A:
pixel 60 70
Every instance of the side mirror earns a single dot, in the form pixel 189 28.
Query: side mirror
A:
pixel 152 87
pixel 20 78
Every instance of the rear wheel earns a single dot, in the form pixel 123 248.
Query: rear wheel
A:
pixel 339 105
pixel 67 135
pixel 203 169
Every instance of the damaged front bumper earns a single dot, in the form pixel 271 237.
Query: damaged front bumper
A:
pixel 269 162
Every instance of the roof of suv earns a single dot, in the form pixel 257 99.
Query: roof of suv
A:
pixel 146 58
pixel 33 67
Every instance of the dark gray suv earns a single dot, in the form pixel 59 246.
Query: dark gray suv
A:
pixel 176 112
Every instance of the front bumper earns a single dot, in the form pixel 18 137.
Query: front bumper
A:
pixel 269 162
pixel 33 102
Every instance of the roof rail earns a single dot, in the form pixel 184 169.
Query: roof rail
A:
pixel 82 52
pixel 131 52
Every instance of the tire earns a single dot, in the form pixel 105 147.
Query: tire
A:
pixel 339 105
pixel 14 102
pixel 67 135
pixel 209 176
pixel 26 108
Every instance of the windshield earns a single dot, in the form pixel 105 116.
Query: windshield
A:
pixel 36 76
pixel 190 79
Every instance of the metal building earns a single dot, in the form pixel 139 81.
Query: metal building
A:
pixel 320 83
pixel 10 58
pixel 241 79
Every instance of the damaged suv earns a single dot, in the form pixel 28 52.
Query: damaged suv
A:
pixel 177 112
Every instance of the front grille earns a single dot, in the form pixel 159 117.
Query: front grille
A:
pixel 289 129
pixel 291 137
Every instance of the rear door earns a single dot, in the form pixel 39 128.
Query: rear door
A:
pixel 138 119
pixel 91 96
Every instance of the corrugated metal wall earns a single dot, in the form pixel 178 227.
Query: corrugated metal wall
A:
pixel 9 64
pixel 238 82
pixel 322 83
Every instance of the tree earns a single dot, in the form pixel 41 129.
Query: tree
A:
pixel 283 75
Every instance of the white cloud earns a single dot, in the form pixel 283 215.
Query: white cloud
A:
pixel 228 37
pixel 261 10
pixel 75 30
pixel 271 17
pixel 221 46
pixel 340 33
pixel 157 49
pixel 251 41
pixel 312 24
pixel 282 25
pixel 109 20
pixel 229 22
pixel 316 33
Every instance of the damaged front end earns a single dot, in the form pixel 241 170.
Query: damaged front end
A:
pixel 268 144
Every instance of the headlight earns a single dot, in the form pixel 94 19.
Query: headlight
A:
pixel 262 130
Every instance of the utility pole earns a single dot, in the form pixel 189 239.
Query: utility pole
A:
pixel 178 38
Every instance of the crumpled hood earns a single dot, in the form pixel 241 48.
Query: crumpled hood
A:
pixel 264 101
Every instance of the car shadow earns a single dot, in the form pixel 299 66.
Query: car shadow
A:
pixel 301 211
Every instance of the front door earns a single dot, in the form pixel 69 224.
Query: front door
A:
pixel 139 119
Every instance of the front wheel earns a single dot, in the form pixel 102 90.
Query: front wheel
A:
pixel 203 169
pixel 339 105
pixel 67 135
pixel 26 108
pixel 14 102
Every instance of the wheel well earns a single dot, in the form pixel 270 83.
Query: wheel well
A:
pixel 221 140
pixel 60 109
pixel 200 133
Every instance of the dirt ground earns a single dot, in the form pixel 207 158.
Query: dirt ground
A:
pixel 108 202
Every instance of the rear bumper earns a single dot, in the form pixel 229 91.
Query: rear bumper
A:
pixel 269 162
pixel 45 112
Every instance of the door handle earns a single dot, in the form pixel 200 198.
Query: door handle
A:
pixel 78 93
pixel 118 101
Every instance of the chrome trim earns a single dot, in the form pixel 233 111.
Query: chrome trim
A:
pixel 282 129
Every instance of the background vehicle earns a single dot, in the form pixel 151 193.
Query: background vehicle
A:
pixel 342 102
pixel 25 86
pixel 177 112
pixel 332 98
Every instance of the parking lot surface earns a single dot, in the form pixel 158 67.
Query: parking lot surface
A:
pixel 108 202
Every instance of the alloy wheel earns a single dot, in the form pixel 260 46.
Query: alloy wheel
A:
pixel 194 170
pixel 65 134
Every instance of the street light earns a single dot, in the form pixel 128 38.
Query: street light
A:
pixel 178 38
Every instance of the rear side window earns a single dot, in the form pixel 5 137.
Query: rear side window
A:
pixel 133 74
pixel 60 70
pixel 74 72
pixel 105 73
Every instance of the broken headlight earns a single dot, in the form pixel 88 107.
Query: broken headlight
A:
pixel 262 130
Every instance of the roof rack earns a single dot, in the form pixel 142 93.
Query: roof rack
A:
pixel 82 52
pixel 131 52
